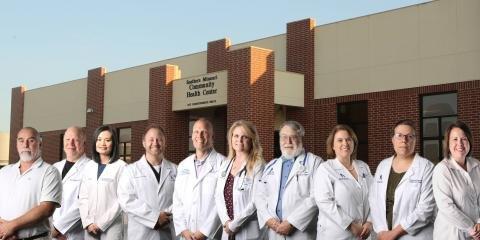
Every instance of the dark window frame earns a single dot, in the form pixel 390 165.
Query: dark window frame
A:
pixel 355 125
pixel 123 145
pixel 439 137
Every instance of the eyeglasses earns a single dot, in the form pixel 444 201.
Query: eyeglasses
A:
pixel 286 138
pixel 400 136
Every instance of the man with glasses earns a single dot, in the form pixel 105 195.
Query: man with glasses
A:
pixel 31 190
pixel 285 205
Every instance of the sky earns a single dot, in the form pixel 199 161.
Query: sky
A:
pixel 48 42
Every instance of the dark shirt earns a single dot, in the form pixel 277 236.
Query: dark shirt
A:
pixel 393 181
pixel 66 168
pixel 101 167
pixel 157 174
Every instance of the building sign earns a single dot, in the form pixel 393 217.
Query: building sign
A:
pixel 200 91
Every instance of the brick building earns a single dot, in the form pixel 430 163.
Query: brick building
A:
pixel 420 62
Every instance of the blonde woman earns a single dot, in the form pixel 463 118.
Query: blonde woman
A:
pixel 238 177
pixel 341 189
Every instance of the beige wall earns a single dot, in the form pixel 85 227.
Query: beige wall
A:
pixel 127 90
pixel 56 107
pixel 4 147
pixel 276 43
pixel 433 43
pixel 289 89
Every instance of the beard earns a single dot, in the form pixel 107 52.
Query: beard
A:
pixel 293 154
pixel 27 156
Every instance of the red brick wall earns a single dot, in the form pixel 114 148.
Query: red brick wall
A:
pixel 16 120
pixel 300 59
pixel 217 55
pixel 95 94
pixel 251 92
pixel 220 128
pixel 388 107
pixel 52 145
pixel 160 112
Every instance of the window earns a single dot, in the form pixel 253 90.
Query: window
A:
pixel 438 112
pixel 125 144
pixel 355 115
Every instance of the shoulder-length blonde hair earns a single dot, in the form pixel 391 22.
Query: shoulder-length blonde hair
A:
pixel 340 127
pixel 255 155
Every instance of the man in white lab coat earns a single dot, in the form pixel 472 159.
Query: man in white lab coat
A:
pixel 285 203
pixel 145 190
pixel 66 222
pixel 31 190
pixel 194 212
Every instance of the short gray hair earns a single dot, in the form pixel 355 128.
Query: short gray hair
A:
pixel 296 126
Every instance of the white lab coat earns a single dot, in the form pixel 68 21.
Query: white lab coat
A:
pixel 194 198
pixel 66 219
pixel 142 197
pixel 414 204
pixel 98 202
pixel 341 199
pixel 457 193
pixel 244 220
pixel 298 205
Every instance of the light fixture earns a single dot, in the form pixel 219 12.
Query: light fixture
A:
pixel 89 110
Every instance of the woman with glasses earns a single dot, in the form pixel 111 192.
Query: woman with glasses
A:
pixel 238 177
pixel 456 187
pixel 341 189
pixel 401 200
pixel 98 203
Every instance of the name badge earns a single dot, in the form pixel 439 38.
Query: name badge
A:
pixel 184 172
pixel 415 180
pixel 342 175
pixel 106 179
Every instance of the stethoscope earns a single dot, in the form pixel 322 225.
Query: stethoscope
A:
pixel 270 167
pixel 242 175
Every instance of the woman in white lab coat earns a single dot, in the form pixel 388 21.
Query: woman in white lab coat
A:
pixel 456 187
pixel 401 193
pixel 238 177
pixel 99 208
pixel 341 189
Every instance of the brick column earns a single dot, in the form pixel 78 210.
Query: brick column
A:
pixel 217 55
pixel 95 95
pixel 160 111
pixel 468 103
pixel 52 145
pixel 251 92
pixel 16 120
pixel 301 59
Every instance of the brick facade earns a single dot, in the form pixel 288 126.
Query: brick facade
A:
pixel 251 92
pixel 16 120
pixel 160 112
pixel 300 59
pixel 251 97
pixel 217 55
pixel 388 107
pixel 95 96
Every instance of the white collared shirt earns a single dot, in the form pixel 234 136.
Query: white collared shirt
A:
pixel 22 192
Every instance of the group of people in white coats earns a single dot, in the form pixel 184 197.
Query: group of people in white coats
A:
pixel 209 196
